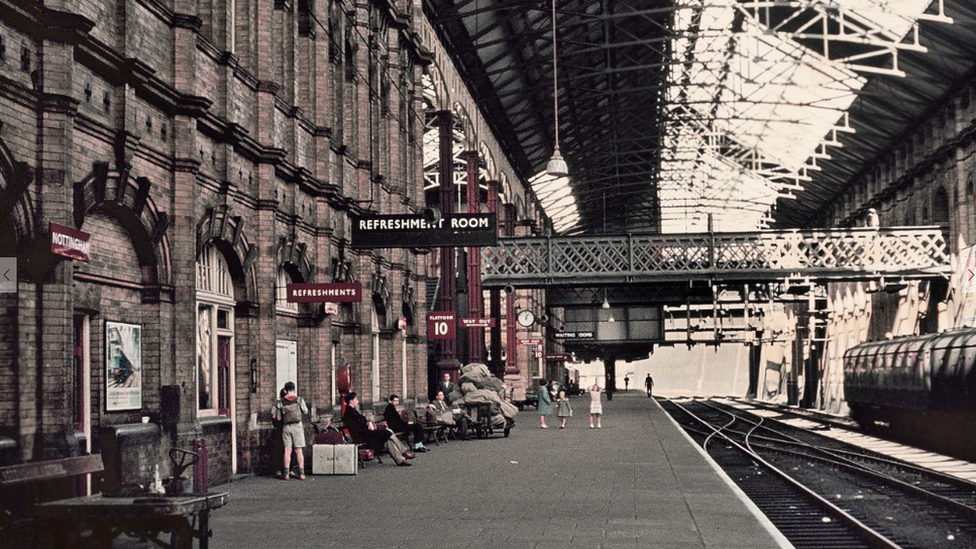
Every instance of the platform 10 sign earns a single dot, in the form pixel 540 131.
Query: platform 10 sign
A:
pixel 441 325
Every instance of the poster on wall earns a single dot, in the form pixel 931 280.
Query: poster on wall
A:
pixel 123 366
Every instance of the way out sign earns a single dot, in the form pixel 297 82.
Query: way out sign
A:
pixel 440 325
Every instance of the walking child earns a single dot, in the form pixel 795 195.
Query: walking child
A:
pixel 563 409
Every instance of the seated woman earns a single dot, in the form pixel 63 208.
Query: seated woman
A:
pixel 363 431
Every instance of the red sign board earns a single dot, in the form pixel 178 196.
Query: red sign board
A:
pixel 530 341
pixel 478 322
pixel 557 358
pixel 537 353
pixel 70 242
pixel 325 293
pixel 440 325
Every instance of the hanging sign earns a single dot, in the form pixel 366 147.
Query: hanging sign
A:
pixel 557 358
pixel 325 293
pixel 573 335
pixel 478 322
pixel 413 231
pixel 530 341
pixel 537 353
pixel 440 325
pixel 69 242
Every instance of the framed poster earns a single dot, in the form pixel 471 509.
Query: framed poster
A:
pixel 123 366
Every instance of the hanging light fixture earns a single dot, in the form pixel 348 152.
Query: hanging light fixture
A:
pixel 606 302
pixel 557 166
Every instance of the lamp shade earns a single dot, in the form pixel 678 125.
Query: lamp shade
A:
pixel 557 166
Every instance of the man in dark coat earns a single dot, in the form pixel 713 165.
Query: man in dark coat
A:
pixel 363 431
pixel 396 424
pixel 446 386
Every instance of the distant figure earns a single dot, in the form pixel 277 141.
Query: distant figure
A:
pixel 563 409
pixel 289 410
pixel 596 407
pixel 649 384
pixel 873 220
pixel 626 383
pixel 544 404
pixel 446 386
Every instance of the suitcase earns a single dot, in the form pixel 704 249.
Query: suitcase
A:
pixel 334 459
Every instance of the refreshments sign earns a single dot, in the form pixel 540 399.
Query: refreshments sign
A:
pixel 325 293
pixel 478 322
pixel 413 231
pixel 69 242
pixel 440 325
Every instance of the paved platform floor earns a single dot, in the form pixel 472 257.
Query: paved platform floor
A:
pixel 636 483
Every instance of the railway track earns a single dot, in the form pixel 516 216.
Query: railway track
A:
pixel 860 498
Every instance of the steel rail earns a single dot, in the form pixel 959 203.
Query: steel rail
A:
pixel 870 536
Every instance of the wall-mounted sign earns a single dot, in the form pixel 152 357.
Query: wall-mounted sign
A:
pixel 574 335
pixel 325 293
pixel 557 358
pixel 413 231
pixel 530 341
pixel 478 322
pixel 440 325
pixel 69 242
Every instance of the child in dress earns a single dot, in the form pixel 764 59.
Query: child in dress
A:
pixel 563 410
pixel 596 407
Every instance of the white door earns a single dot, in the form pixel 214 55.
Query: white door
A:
pixel 287 364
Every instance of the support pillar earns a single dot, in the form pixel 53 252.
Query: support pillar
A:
pixel 476 336
pixel 495 364
pixel 447 356
pixel 511 335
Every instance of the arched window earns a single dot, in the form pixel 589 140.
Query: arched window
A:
pixel 284 279
pixel 213 277
pixel 215 334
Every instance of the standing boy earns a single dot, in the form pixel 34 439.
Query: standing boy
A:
pixel 289 410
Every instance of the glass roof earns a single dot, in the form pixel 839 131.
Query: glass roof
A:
pixel 748 114
pixel 753 109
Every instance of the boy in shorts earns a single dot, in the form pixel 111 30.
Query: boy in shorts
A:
pixel 289 410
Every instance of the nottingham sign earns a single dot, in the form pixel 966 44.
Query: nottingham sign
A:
pixel 413 231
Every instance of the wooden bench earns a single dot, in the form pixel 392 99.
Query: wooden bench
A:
pixel 432 430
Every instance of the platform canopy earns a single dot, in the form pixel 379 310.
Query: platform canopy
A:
pixel 756 112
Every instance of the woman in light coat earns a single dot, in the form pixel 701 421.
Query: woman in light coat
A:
pixel 544 403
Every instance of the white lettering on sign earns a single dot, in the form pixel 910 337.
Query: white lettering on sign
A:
pixel 440 328
pixel 440 317
pixel 321 292
pixel 397 224
pixel 72 243
pixel 469 223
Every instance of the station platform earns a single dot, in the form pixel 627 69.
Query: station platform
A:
pixel 637 483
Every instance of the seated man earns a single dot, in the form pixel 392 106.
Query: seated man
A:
pixel 363 431
pixel 396 424
pixel 439 412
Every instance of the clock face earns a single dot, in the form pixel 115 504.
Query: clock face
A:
pixel 526 318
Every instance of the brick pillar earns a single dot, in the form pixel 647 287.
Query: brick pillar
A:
pixel 476 302
pixel 183 233
pixel 45 382
pixel 447 358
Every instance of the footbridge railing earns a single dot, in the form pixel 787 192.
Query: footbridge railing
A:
pixel 833 254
